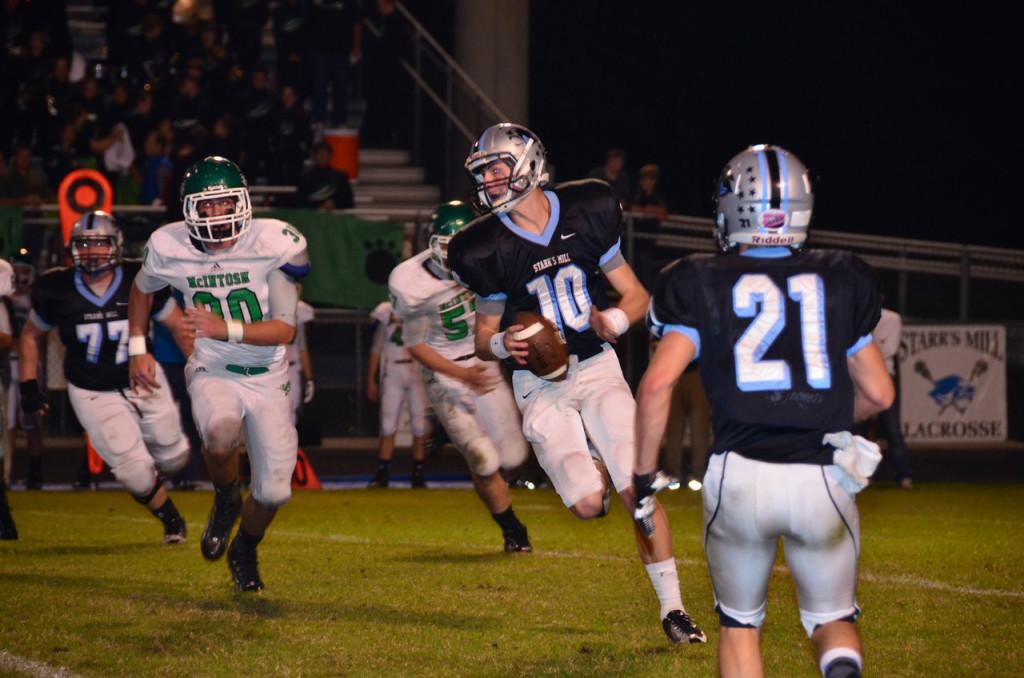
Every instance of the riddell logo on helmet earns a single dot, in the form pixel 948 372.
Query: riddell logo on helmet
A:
pixel 773 219
pixel 771 240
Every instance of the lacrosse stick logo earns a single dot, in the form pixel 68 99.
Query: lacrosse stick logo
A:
pixel 952 390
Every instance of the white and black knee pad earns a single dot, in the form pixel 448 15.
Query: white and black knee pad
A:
pixel 734 619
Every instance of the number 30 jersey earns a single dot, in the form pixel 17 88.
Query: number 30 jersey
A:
pixel 233 283
pixel 557 273
pixel 773 331
pixel 435 311
pixel 93 328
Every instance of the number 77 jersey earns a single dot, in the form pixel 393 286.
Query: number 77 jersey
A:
pixel 773 331
pixel 233 283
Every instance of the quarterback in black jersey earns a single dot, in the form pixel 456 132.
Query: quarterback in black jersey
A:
pixel 137 434
pixel 550 252
pixel 783 336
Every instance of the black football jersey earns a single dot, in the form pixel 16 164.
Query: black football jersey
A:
pixel 556 273
pixel 94 329
pixel 773 335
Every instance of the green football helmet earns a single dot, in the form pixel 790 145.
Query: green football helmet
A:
pixel 215 200
pixel 447 219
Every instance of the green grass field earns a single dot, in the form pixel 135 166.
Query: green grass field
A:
pixel 412 583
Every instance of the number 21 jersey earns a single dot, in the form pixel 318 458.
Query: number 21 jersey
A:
pixel 773 331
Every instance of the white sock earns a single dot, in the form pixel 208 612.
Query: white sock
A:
pixel 840 653
pixel 666 584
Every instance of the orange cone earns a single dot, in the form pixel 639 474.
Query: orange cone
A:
pixel 304 477
pixel 95 461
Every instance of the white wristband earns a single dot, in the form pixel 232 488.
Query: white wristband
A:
pixel 618 319
pixel 498 346
pixel 137 346
pixel 236 331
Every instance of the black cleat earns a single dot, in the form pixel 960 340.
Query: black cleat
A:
pixel 518 542
pixel 222 518
pixel 679 628
pixel 380 480
pixel 176 533
pixel 244 570
pixel 8 530
pixel 417 480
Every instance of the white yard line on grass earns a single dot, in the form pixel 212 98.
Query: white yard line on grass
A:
pixel 898 580
pixel 30 667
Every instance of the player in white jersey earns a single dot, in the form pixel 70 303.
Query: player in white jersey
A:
pixel 238 276
pixel 399 382
pixel 470 397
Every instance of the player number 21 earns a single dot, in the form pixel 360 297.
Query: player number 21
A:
pixel 755 296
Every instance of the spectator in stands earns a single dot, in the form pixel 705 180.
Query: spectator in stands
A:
pixel 58 96
pixel 387 86
pixel 245 32
pixel 157 172
pixel 140 120
pixel 224 138
pixel 291 32
pixel 614 172
pixel 648 201
pixel 24 184
pixel 63 155
pixel 335 42
pixel 255 106
pixel 189 108
pixel 322 186
pixel 290 138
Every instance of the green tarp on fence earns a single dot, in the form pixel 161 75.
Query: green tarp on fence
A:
pixel 351 257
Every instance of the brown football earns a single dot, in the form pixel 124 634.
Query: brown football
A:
pixel 547 356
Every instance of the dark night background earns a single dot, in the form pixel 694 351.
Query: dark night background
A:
pixel 905 115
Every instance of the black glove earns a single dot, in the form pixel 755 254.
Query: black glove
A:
pixel 32 399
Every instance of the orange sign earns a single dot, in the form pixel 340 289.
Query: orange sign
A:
pixel 81 191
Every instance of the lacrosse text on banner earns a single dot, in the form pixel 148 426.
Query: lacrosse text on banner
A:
pixel 953 382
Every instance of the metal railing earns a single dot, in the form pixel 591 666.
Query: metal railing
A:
pixel 437 76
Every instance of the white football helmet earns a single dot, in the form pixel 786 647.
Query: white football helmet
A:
pixel 524 154
pixel 764 198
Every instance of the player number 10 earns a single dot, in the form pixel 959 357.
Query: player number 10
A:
pixel 563 298
pixel 755 296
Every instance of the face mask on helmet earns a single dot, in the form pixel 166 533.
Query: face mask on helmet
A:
pixel 764 199
pixel 215 201
pixel 95 243
pixel 218 215
pixel 506 163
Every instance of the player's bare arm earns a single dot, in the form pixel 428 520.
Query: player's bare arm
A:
pixel 609 324
pixel 489 325
pixel 873 388
pixel 28 367
pixel 674 353
pixel 372 370
pixel 477 377
pixel 141 365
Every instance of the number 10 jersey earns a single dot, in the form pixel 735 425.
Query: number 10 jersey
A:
pixel 773 331
pixel 233 283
